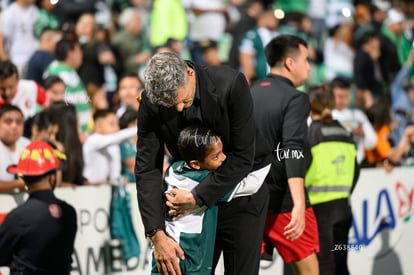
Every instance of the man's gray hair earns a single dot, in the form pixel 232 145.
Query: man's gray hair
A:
pixel 164 74
pixel 127 15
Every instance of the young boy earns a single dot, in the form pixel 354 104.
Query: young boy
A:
pixel 24 93
pixel 101 149
pixel 202 152
pixel 12 144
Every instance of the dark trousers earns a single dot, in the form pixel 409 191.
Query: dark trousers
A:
pixel 334 221
pixel 239 233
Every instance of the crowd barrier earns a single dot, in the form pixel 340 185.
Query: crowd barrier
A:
pixel 381 239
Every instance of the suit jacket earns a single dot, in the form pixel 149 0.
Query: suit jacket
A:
pixel 227 108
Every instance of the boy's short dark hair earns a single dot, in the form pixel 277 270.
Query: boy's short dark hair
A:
pixel 9 108
pixel 8 69
pixel 102 113
pixel 195 141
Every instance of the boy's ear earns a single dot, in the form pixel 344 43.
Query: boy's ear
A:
pixel 195 164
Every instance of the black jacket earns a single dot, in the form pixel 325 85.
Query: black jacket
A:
pixel 38 236
pixel 281 113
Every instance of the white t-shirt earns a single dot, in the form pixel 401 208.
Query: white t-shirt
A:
pixel 209 25
pixel 8 157
pixel 338 58
pixel 28 95
pixel 102 156
pixel 17 28
pixel 351 118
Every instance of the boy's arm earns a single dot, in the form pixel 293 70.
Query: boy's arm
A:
pixel 116 138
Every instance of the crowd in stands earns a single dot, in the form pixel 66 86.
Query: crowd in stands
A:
pixel 70 72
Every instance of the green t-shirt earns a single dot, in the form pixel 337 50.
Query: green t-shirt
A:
pixel 75 92
pixel 45 20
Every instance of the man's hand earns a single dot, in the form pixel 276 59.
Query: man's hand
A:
pixel 181 202
pixel 166 251
pixel 296 225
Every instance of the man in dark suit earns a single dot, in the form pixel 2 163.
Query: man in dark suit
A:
pixel 178 94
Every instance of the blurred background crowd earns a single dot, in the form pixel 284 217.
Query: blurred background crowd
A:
pixel 71 70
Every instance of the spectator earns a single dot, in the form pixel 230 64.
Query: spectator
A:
pixel 129 93
pixel 251 52
pixel 90 70
pixel 128 147
pixel 48 222
pixel 40 128
pixel 354 120
pixel 26 94
pixel 101 149
pixel 55 89
pixel 63 115
pixel 12 144
pixel 68 58
pixel 330 179
pixel 290 223
pixel 402 99
pixel 98 58
pixel 391 41
pixel 44 55
pixel 367 73
pixel 385 154
pixel 132 41
pixel 17 27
